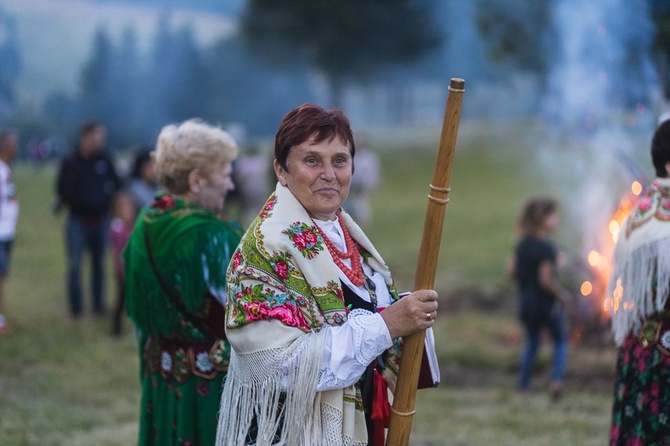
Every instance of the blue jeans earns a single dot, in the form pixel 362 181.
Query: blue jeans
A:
pixel 554 321
pixel 79 236
pixel 5 251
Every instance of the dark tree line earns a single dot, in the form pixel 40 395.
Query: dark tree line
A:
pixel 135 94
pixel 250 79
pixel 254 77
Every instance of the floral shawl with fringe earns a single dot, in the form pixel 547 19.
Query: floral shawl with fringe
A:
pixel 283 288
pixel 640 282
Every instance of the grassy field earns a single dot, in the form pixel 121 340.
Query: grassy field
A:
pixel 68 383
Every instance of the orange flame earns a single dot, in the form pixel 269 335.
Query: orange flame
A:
pixel 636 188
pixel 599 259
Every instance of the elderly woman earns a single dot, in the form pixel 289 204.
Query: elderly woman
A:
pixel 175 264
pixel 313 350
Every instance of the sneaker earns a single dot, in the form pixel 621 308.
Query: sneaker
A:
pixel 4 329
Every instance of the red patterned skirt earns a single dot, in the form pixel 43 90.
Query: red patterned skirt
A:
pixel 641 410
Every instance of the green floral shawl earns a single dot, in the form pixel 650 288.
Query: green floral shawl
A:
pixel 191 246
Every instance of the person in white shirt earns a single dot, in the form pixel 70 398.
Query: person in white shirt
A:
pixel 364 182
pixel 9 213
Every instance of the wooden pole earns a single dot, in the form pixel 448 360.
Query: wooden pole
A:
pixel 410 363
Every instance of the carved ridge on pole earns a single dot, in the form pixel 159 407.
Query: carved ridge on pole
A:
pixel 403 414
pixel 456 90
pixel 445 190
pixel 438 200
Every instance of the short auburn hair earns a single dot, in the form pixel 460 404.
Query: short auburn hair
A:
pixel 310 121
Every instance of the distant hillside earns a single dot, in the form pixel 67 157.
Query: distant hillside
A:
pixel 56 35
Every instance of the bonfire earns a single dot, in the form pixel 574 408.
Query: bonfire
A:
pixel 593 312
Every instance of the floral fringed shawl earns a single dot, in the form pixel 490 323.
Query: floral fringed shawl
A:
pixel 640 283
pixel 283 289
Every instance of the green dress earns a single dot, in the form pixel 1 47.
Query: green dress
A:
pixel 182 367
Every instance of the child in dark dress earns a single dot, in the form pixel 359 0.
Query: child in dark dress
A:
pixel 541 297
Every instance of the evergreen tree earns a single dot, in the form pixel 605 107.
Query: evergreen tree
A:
pixel 100 96
pixel 176 86
pixel 128 80
pixel 111 89
pixel 159 79
pixel 241 89
pixel 346 40
pixel 95 79
pixel 188 94
pixel 517 34
pixel 660 14
pixel 10 66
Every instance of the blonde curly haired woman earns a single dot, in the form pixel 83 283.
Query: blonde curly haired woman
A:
pixel 175 264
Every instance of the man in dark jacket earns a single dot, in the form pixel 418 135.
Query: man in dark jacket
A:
pixel 86 184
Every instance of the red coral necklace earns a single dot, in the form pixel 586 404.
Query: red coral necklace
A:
pixel 355 273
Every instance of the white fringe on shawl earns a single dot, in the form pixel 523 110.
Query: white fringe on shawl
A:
pixel 253 388
pixel 636 262
pixel 632 283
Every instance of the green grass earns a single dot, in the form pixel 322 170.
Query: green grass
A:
pixel 68 383
pixel 61 382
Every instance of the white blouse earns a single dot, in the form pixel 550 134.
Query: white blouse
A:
pixel 352 346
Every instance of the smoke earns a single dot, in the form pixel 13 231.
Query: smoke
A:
pixel 601 96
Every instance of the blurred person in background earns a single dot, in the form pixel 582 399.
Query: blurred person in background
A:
pixel 364 181
pixel 86 184
pixel 313 314
pixel 138 190
pixel 175 264
pixel 121 225
pixel 9 214
pixel 142 184
pixel 541 297
pixel 639 289
pixel 251 172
